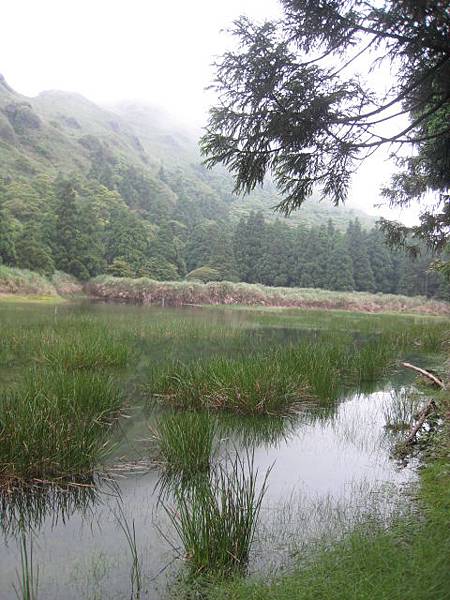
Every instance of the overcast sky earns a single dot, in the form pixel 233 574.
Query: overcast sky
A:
pixel 159 51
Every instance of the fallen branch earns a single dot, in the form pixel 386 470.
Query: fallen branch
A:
pixel 420 421
pixel 430 376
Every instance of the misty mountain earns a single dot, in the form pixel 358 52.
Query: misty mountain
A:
pixel 60 132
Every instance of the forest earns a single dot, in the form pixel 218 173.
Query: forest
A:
pixel 85 229
pixel 88 191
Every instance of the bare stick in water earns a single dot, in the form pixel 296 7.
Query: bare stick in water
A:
pixel 430 376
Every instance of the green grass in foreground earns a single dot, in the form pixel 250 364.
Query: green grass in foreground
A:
pixel 55 423
pixel 408 560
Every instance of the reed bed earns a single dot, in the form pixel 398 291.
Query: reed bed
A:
pixel 55 423
pixel 216 518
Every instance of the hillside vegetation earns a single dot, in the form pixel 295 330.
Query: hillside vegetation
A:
pixel 86 191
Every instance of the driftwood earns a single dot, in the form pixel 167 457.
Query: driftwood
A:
pixel 429 407
pixel 427 374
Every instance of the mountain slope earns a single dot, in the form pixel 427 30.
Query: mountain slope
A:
pixel 60 132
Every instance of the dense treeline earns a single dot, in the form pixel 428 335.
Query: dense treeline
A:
pixel 83 228
pixel 275 254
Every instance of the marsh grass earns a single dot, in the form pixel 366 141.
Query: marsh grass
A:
pixel 55 423
pixel 255 385
pixel 184 442
pixel 89 349
pixel 277 381
pixel 130 536
pixel 216 518
pixel 28 576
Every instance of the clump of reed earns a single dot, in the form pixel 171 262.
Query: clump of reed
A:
pixel 273 383
pixel 252 385
pixel 184 442
pixel 54 423
pixel 92 348
pixel 216 518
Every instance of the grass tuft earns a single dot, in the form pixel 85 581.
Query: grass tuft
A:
pixel 54 424
pixel 184 442
pixel 216 518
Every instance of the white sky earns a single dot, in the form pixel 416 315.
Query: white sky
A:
pixel 159 51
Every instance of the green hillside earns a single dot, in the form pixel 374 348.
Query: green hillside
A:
pixel 88 190
pixel 64 132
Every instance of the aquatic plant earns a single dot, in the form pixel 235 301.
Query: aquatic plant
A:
pixel 130 536
pixel 184 441
pixel 252 385
pixel 216 518
pixel 54 423
pixel 400 410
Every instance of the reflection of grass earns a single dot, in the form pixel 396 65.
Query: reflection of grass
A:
pixel 216 518
pixel 54 423
pixel 400 410
pixel 256 430
pixel 184 441
pixel 27 507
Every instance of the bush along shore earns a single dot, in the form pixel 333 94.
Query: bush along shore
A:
pixel 21 282
pixel 179 293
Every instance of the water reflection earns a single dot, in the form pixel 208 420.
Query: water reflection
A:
pixel 27 508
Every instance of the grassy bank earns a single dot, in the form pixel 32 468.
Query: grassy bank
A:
pixel 147 291
pixel 407 560
pixel 23 285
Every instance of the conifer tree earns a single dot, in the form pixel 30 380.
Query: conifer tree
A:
pixel 362 271
pixel 340 266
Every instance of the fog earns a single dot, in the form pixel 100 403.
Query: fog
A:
pixel 151 50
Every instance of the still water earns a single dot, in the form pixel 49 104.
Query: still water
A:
pixel 328 468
